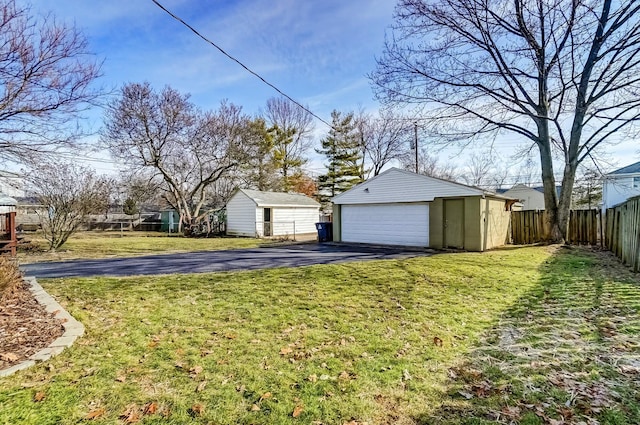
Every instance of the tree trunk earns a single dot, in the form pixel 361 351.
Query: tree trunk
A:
pixel 553 231
pixel 564 204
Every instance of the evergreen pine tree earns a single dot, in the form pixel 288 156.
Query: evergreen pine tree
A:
pixel 344 154
pixel 285 158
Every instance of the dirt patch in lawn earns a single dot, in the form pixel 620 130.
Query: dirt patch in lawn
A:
pixel 25 326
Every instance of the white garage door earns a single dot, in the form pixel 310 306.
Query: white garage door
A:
pixel 388 224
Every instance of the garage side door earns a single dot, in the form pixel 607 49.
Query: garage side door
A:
pixel 387 224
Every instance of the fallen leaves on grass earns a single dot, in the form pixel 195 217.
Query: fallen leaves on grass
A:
pixel 511 412
pixel 265 396
pixel 297 411
pixel 196 410
pixel 39 396
pixel 344 376
pixel 131 414
pixel 591 396
pixel 150 408
pixel 195 371
pixel 286 350
pixel 629 370
pixel 95 414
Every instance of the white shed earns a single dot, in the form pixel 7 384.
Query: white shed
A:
pixel 399 207
pixel 264 214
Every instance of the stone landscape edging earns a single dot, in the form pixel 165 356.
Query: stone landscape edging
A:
pixel 72 329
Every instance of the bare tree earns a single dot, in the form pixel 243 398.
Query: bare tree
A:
pixel 136 190
pixel 188 149
pixel 293 129
pixel 430 165
pixel 70 193
pixel 563 74
pixel 46 73
pixel 500 176
pixel 479 169
pixel 384 138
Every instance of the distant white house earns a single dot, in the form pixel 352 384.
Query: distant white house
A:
pixel 620 185
pixel 265 214
pixel 531 198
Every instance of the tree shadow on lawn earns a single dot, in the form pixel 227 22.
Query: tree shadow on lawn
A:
pixel 567 352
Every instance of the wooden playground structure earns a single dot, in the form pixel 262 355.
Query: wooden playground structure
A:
pixel 8 236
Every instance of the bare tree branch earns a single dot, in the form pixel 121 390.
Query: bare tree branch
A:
pixel 46 72
pixel 190 150
pixel 562 73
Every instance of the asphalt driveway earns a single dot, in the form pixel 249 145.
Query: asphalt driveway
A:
pixel 216 261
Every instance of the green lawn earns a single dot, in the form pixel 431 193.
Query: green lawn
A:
pixel 523 335
pixel 128 244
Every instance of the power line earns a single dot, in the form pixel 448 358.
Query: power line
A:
pixel 239 63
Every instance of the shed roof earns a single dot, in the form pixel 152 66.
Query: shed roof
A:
pixel 629 169
pixel 7 201
pixel 396 185
pixel 279 199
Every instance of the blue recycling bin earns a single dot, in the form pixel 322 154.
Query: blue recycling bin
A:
pixel 325 231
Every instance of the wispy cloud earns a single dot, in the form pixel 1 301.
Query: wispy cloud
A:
pixel 315 51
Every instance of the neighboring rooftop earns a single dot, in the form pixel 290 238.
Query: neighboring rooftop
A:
pixel 265 199
pixel 629 169
pixel 8 201
pixel 524 186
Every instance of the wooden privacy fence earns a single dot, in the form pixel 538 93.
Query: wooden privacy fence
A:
pixel 527 227
pixel 585 227
pixel 623 232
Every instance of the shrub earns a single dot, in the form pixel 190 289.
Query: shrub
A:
pixel 10 277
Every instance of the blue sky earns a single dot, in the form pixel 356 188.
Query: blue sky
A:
pixel 318 52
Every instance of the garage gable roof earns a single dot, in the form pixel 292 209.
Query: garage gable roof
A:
pixel 397 185
pixel 279 199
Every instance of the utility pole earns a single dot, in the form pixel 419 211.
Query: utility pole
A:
pixel 415 143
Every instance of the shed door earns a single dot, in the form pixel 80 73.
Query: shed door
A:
pixel 386 224
pixel 454 223
pixel 266 220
